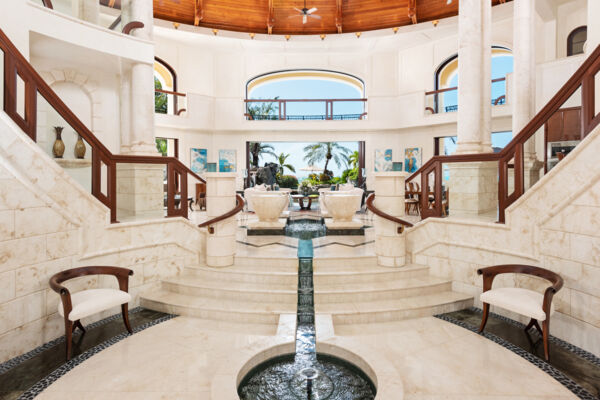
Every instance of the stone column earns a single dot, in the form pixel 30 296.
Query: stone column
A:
pixel 523 92
pixel 390 246
pixel 593 26
pixel 474 186
pixel 89 10
pixel 474 78
pixel 220 198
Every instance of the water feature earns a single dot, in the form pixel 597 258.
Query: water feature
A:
pixel 306 374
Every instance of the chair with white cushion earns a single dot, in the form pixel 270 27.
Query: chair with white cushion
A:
pixel 92 301
pixel 522 301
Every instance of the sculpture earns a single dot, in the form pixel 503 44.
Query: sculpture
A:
pixel 267 174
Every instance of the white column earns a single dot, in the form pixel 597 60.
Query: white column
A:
pixel 142 109
pixel 474 55
pixel 125 107
pixel 89 10
pixel 593 26
pixel 220 198
pixel 523 93
pixel 390 246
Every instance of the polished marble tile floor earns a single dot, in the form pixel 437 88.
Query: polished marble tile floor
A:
pixel 428 358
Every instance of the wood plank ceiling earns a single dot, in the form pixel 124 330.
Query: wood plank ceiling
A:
pixel 279 16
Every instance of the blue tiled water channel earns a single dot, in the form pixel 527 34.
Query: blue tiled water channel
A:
pixel 306 374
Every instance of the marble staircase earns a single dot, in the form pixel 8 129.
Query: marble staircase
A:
pixel 352 290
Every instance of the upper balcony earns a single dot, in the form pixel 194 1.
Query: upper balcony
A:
pixel 305 109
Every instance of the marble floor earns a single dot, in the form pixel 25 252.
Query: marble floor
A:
pixel 187 358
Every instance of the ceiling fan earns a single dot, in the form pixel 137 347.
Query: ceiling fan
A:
pixel 305 13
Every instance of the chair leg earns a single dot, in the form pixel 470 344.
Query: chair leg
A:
pixel 68 337
pixel 125 312
pixel 486 311
pixel 546 325
pixel 78 324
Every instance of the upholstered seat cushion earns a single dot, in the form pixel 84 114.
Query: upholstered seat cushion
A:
pixel 93 301
pixel 522 301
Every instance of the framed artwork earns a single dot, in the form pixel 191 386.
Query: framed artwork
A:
pixel 227 160
pixel 383 160
pixel 198 160
pixel 397 166
pixel 412 159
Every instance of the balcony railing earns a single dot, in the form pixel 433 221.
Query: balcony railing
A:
pixel 277 109
pixel 176 99
pixel 434 100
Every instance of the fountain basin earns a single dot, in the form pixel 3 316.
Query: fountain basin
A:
pixel 342 209
pixel 268 208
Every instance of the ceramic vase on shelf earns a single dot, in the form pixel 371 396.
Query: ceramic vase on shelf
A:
pixel 79 148
pixel 58 149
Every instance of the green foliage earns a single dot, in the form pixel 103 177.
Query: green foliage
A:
pixel 327 151
pixel 258 149
pixel 160 99
pixel 287 181
pixel 161 146
pixel 281 159
pixel 263 110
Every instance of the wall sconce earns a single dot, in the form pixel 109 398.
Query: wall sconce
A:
pixel 287 37
pixel 395 30
pixel 435 22
pixel 252 35
pixel 322 36
pixel 176 25
pixel 358 34
pixel 215 31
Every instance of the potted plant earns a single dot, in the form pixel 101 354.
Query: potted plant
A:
pixel 305 187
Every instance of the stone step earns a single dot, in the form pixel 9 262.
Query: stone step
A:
pixel 394 310
pixel 240 274
pixel 366 274
pixel 215 309
pixel 337 262
pixel 241 291
pixel 386 290
pixel 268 263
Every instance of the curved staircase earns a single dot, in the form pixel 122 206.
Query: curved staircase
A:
pixel 352 290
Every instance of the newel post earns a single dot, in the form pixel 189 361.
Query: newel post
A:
pixel 390 246
pixel 220 199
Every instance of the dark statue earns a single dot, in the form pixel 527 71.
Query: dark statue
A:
pixel 267 174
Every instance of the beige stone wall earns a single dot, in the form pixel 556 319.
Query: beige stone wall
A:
pixel 48 223
pixel 555 225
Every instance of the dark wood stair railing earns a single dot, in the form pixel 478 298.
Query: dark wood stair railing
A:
pixel 239 206
pixel 16 66
pixel 511 156
pixel 371 207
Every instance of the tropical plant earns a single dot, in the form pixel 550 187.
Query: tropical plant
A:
pixel 327 151
pixel 353 159
pixel 281 158
pixel 161 146
pixel 262 110
pixel 160 99
pixel 287 181
pixel 257 149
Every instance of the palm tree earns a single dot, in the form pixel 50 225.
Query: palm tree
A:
pixel 263 110
pixel 353 159
pixel 257 149
pixel 282 165
pixel 327 151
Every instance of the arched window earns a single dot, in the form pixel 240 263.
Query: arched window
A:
pixel 576 40
pixel 331 93
pixel 446 77
pixel 165 79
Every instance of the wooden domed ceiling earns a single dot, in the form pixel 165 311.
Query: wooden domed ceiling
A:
pixel 280 17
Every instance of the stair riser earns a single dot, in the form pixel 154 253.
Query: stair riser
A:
pixel 274 279
pixel 397 315
pixel 356 297
pixel 335 279
pixel 268 264
pixel 242 296
pixel 219 315
pixel 324 263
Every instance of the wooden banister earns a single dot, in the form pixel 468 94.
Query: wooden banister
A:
pixel 511 156
pixel 170 92
pixel 239 206
pixel 15 65
pixel 371 207
pixel 131 26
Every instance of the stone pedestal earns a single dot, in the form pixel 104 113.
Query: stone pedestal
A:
pixel 220 198
pixel 342 209
pixel 140 191
pixel 390 246
pixel 473 188
pixel 268 207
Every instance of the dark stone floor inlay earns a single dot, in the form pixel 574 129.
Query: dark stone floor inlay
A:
pixel 575 368
pixel 26 376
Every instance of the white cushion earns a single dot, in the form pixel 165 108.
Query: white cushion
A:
pixel 346 187
pixel 93 301
pixel 522 301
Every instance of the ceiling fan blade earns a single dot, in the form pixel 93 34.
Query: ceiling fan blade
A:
pixel 294 16
pixel 299 10
pixel 312 10
pixel 304 19
pixel 314 16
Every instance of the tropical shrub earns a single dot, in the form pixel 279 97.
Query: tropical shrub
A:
pixel 287 181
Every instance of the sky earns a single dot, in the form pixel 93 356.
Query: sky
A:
pixel 297 155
